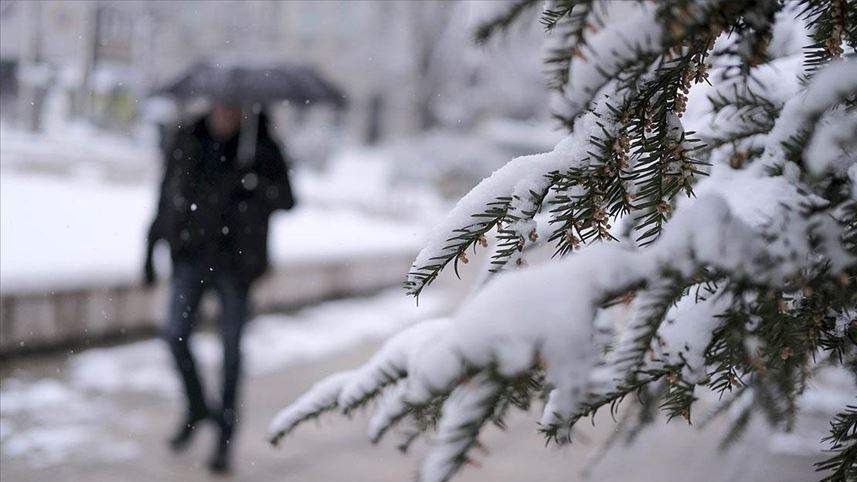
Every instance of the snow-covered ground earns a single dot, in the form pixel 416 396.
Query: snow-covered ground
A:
pixel 74 210
pixel 79 148
pixel 47 418
pixel 71 232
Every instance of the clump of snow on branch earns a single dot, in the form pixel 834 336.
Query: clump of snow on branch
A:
pixel 349 389
pixel 630 28
pixel 390 364
pixel 455 435
pixel 826 89
pixel 833 146
pixel 514 181
pixel 687 330
pixel 319 399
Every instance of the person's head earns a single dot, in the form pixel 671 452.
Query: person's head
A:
pixel 224 120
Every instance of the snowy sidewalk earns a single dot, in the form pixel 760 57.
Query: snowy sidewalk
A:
pixel 102 416
pixel 337 450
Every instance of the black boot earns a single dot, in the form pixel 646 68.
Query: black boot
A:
pixel 180 440
pixel 220 462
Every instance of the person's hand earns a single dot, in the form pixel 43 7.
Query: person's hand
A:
pixel 149 273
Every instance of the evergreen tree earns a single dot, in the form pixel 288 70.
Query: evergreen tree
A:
pixel 733 246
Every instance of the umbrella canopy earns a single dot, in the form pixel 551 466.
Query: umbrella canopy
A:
pixel 242 84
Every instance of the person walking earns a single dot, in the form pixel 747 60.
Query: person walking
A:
pixel 214 207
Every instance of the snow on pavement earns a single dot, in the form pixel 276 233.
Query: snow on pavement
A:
pixel 45 420
pixel 79 147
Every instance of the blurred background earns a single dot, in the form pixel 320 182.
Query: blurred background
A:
pixel 425 114
pixel 87 392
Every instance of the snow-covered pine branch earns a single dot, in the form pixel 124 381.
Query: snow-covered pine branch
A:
pixel 743 286
pixel 321 398
pixel 797 122
pixel 511 195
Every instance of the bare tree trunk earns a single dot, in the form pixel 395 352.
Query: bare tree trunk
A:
pixel 84 102
pixel 374 125
pixel 32 74
pixel 428 22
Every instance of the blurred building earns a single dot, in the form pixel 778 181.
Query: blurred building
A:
pixel 404 65
pixel 107 54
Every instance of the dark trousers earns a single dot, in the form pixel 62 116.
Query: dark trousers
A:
pixel 190 281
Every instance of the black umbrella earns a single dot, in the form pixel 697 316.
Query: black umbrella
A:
pixel 247 84
pixel 251 86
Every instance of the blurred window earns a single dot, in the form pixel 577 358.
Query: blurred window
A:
pixel 309 20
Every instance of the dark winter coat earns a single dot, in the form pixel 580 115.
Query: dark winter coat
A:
pixel 213 208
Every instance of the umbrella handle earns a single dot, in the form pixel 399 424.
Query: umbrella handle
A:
pixel 249 133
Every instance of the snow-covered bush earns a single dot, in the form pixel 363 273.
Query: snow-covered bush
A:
pixel 707 182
